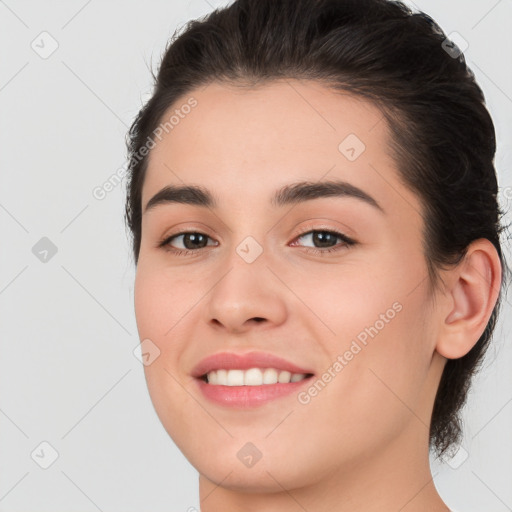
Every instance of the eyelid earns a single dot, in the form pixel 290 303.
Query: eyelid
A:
pixel 320 224
pixel 311 225
pixel 196 227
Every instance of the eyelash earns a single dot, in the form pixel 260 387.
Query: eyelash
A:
pixel 346 242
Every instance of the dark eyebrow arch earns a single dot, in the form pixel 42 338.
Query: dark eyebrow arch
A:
pixel 289 194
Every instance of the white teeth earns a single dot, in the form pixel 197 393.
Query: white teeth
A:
pixel 270 376
pixel 284 377
pixel 252 377
pixel 235 378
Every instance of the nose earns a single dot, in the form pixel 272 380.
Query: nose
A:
pixel 246 296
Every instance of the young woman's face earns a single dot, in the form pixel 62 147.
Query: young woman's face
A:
pixel 332 281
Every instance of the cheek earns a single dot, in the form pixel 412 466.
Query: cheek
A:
pixel 164 311
pixel 157 309
pixel 341 301
pixel 161 302
pixel 373 323
pixel 375 394
pixel 385 380
pixel 149 301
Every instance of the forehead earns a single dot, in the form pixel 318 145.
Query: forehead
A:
pixel 255 140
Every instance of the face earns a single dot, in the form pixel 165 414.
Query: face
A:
pixel 328 281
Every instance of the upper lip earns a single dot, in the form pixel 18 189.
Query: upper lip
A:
pixel 231 361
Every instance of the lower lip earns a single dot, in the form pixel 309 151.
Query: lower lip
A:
pixel 248 396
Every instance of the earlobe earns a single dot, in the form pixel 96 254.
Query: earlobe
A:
pixel 474 290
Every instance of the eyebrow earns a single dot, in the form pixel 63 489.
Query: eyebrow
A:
pixel 289 194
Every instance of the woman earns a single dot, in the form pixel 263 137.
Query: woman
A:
pixel 312 200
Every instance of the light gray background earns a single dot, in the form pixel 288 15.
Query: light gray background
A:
pixel 68 372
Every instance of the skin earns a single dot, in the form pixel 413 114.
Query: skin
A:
pixel 361 444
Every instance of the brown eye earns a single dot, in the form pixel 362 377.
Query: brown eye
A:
pixel 191 241
pixel 325 240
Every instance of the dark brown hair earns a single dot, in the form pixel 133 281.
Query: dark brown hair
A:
pixel 443 138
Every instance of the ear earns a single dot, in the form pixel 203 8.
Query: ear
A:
pixel 472 291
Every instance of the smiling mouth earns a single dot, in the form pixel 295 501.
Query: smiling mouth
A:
pixel 252 377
